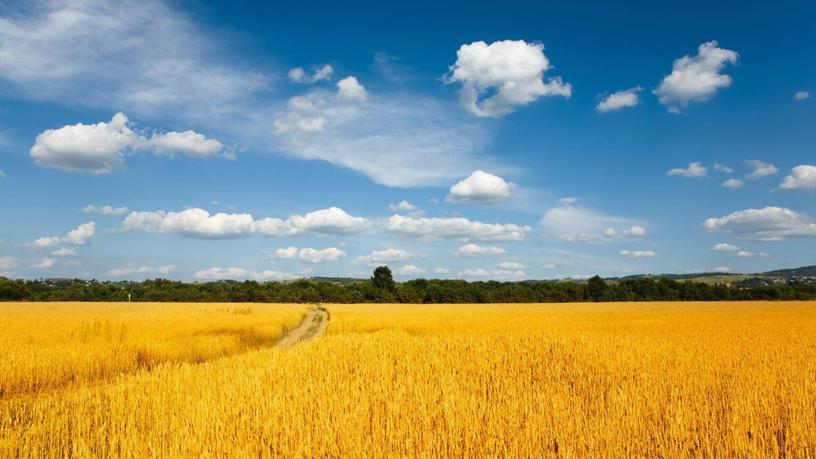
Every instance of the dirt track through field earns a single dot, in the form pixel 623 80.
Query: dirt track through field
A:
pixel 313 326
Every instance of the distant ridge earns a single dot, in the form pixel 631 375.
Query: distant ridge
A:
pixel 804 271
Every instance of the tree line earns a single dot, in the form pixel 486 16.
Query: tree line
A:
pixel 381 288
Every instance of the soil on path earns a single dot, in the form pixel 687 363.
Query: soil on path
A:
pixel 313 326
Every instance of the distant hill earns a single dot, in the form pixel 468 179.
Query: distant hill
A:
pixel 337 280
pixel 804 271
pixel 690 276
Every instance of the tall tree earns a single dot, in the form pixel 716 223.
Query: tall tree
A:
pixel 383 279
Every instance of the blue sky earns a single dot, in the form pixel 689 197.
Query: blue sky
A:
pixel 205 140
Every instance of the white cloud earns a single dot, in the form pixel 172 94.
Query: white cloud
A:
pixel 199 223
pixel 637 253
pixel 233 273
pixel 696 78
pixel 189 143
pixel 801 178
pixel 285 253
pixel 104 210
pixel 298 75
pixel 379 257
pixel 568 200
pixel 402 206
pixel 410 270
pixel 81 235
pixel 95 148
pixel 101 148
pixel 620 99
pixel 694 170
pixel 350 89
pixel 216 273
pixel 766 224
pixel 328 221
pixel 578 224
pixel 405 207
pixel 45 241
pixel 455 228
pixel 512 70
pixel 192 223
pixel 142 55
pixel 45 263
pixel 474 250
pixel 801 95
pixel 309 255
pixel 64 252
pixel 270 275
pixel 760 169
pixel 131 270
pixel 399 141
pixel 733 183
pixel 442 271
pixel 747 254
pixel 493 273
pixel 722 269
pixel 627 233
pixel 480 188
pixel 174 70
pixel 724 169
pixel 510 265
pixel 724 247
pixel 2 174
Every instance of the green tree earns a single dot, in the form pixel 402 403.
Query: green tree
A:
pixel 383 279
pixel 596 288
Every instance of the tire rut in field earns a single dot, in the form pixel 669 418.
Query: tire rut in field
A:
pixel 313 326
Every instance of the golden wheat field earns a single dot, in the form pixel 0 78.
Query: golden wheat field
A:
pixel 527 380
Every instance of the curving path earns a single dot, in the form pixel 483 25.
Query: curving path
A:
pixel 313 326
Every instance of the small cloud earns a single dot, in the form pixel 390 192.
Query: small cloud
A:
pixel 637 253
pixel 619 100
pixel 696 78
pixel 64 252
pixel 410 270
pixel 760 169
pixel 350 89
pixel 767 224
pixel 298 75
pixel 140 271
pixel 694 170
pixel 379 257
pixel 284 253
pixel 405 207
pixel 722 269
pixel 724 247
pixel 801 178
pixel 511 70
pixel 510 265
pixel 724 169
pixel 480 188
pixel 475 250
pixel 45 263
pixel 79 236
pixel 104 210
pixel 314 256
pixel 493 273
pixel 747 254
pixel 733 183
pixel 801 95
